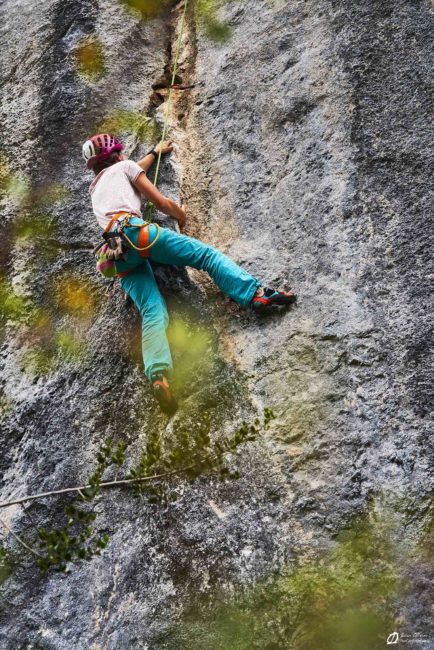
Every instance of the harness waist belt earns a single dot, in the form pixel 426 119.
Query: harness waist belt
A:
pixel 121 214
pixel 143 245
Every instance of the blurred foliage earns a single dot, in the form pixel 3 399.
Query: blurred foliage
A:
pixel 46 195
pixel 43 344
pixel 76 297
pixel 39 232
pixel 47 345
pixel 5 174
pixel 6 406
pixel 30 227
pixel 148 9
pixel 12 185
pixel 44 353
pixel 5 565
pixel 120 122
pixel 12 305
pixel 37 360
pixel 419 512
pixel 21 311
pixel 207 16
pixel 17 188
pixel 340 602
pixel 90 58
pixel 191 346
pixel 426 546
pixel 41 328
pixel 35 233
pixel 70 347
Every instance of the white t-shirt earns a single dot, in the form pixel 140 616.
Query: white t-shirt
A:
pixel 113 190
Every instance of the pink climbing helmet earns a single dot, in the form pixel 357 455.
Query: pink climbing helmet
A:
pixel 100 147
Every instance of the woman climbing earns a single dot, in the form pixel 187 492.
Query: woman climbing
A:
pixel 116 194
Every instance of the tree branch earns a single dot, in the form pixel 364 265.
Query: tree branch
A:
pixel 19 540
pixel 107 484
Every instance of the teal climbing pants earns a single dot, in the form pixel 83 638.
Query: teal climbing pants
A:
pixel 140 285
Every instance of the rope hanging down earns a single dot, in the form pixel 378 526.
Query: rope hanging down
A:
pixel 164 133
pixel 163 136
pixel 169 97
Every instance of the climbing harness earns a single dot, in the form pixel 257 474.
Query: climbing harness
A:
pixel 116 241
pixel 143 235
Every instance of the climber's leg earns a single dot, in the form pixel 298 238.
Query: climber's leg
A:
pixel 173 248
pixel 142 288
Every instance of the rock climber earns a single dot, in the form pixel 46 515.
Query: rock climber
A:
pixel 116 193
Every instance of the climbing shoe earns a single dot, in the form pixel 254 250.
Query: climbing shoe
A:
pixel 163 394
pixel 270 298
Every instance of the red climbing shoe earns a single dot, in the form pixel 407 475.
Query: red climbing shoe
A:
pixel 163 394
pixel 271 297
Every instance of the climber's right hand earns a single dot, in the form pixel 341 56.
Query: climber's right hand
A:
pixel 181 217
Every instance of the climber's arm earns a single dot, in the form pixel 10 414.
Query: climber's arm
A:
pixel 165 205
pixel 146 162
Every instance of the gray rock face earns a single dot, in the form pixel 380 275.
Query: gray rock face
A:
pixel 304 154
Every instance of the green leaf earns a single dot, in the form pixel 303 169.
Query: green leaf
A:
pixel 43 534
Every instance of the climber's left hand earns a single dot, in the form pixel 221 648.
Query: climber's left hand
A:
pixel 166 147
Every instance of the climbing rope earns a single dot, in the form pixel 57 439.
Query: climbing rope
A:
pixel 143 248
pixel 175 68
pixel 163 136
pixel 164 132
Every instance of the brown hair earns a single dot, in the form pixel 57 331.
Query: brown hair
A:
pixel 99 166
